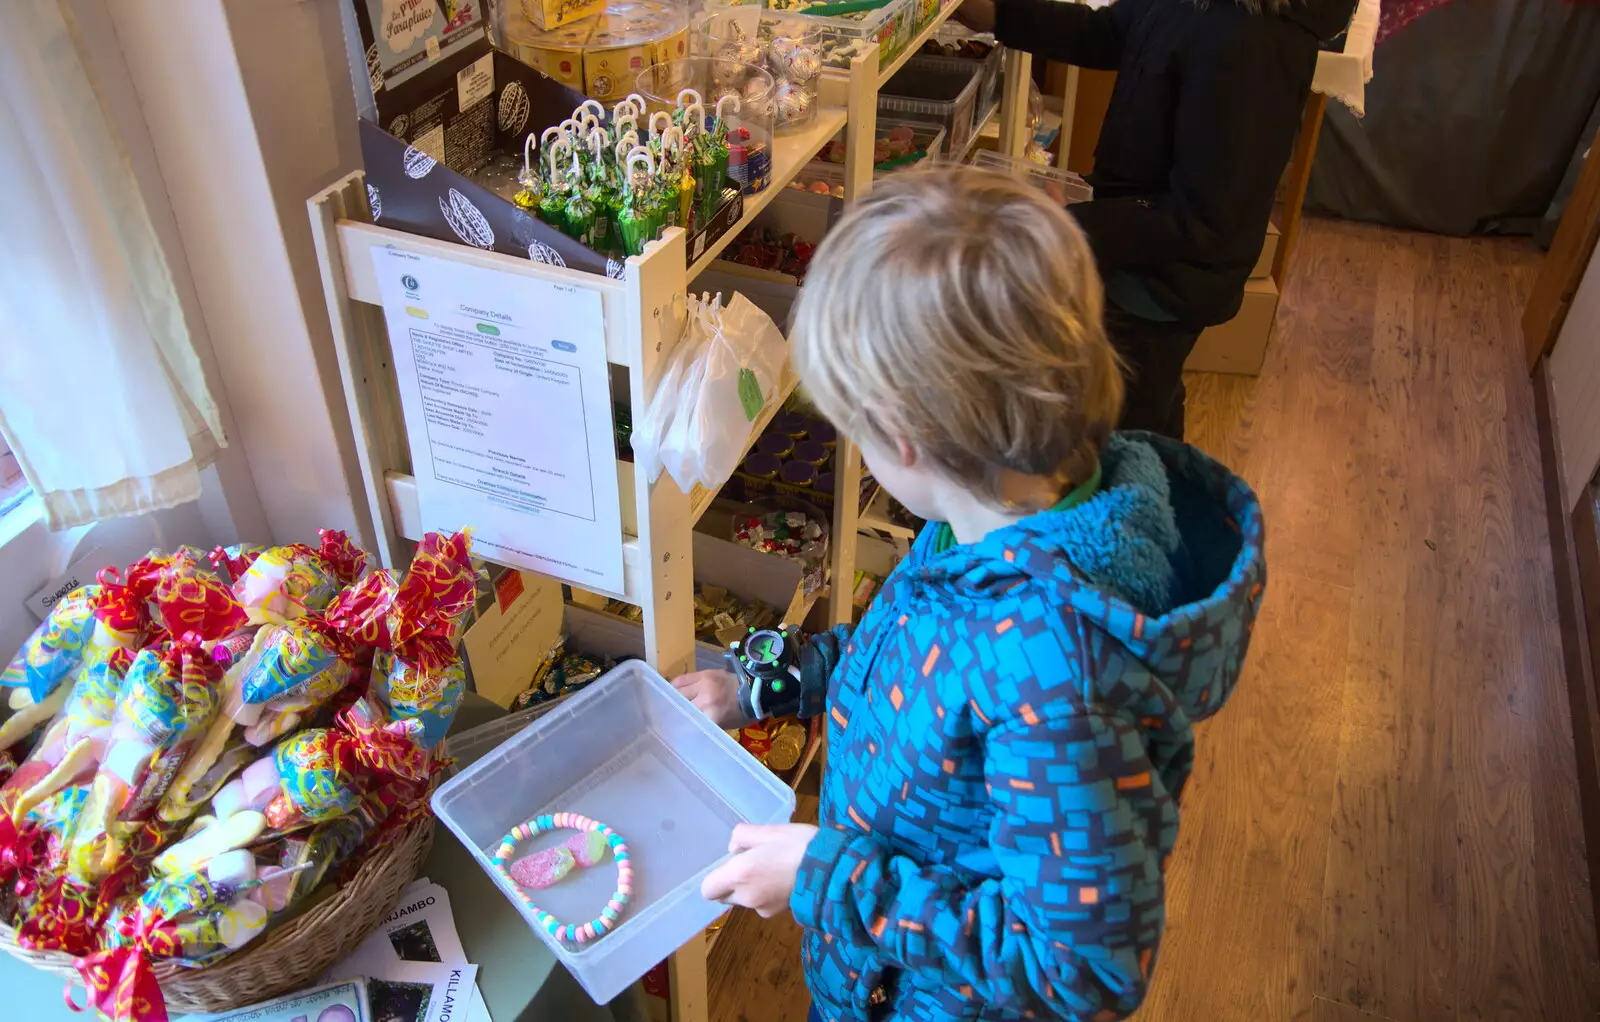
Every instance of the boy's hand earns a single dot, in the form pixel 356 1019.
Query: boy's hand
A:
pixel 977 15
pixel 715 694
pixel 761 876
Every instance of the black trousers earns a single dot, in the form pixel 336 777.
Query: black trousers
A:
pixel 1153 354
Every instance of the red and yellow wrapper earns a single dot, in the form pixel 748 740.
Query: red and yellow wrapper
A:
pixel 187 919
pixel 416 617
pixel 289 582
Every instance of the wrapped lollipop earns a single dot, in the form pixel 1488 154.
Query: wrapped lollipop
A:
pixel 194 919
pixel 407 702
pixel 37 675
pixel 168 701
pixel 290 581
pixel 290 670
pixel 75 744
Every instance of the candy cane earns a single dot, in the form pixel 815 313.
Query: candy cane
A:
pixel 557 175
pixel 626 123
pixel 659 116
pixel 639 105
pixel 625 145
pixel 527 155
pixel 694 101
pixel 729 98
pixel 694 120
pixel 623 108
pixel 641 156
pixel 586 105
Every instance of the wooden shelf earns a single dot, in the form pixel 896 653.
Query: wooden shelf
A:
pixel 790 152
pixel 876 516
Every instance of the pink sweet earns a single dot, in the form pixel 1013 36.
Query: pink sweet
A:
pixel 541 869
pixel 587 848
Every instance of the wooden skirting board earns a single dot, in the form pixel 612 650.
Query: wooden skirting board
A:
pixel 1575 551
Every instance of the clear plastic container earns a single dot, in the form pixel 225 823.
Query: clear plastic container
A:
pixel 750 128
pixel 845 36
pixel 630 752
pixel 790 49
pixel 1062 185
pixel 989 70
pixel 927 143
pixel 946 95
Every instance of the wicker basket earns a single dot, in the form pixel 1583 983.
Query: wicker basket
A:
pixel 290 956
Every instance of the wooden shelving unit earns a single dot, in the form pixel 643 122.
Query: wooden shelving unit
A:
pixel 644 314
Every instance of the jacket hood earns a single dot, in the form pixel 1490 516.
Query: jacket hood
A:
pixel 1167 558
pixel 1324 19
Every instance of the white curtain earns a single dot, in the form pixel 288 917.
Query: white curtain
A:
pixel 102 397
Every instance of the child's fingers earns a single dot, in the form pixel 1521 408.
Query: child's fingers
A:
pixel 753 835
pixel 721 882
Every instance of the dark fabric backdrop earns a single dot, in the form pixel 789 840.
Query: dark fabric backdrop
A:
pixel 1474 113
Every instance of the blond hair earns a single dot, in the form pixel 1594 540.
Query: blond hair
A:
pixel 959 310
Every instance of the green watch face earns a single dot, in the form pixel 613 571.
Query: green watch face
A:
pixel 764 648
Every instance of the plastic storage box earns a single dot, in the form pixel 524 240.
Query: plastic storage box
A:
pixel 1062 185
pixel 941 93
pixel 890 26
pixel 989 71
pixel 630 752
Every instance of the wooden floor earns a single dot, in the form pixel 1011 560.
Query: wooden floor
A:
pixel 1383 824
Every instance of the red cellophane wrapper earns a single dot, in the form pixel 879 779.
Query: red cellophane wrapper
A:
pixel 416 617
pixel 172 918
pixel 235 560
pixel 388 746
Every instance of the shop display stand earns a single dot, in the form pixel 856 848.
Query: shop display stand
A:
pixel 644 314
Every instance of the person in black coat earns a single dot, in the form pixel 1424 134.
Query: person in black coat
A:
pixel 1208 101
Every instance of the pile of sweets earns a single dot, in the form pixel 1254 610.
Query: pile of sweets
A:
pixel 767 249
pixel 201 742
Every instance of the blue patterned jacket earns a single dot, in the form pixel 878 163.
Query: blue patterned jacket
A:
pixel 1009 732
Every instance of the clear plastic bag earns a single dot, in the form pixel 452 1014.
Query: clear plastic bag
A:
pixel 724 372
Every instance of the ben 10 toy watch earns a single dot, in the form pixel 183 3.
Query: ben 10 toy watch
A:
pixel 767 664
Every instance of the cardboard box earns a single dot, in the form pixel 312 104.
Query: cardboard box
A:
pixel 1269 252
pixel 1239 345
pixel 548 14
pixel 525 616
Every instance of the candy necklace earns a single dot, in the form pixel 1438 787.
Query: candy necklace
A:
pixel 578 852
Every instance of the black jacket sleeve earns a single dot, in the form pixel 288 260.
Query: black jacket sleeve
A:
pixel 1239 104
pixel 1072 33
pixel 817 662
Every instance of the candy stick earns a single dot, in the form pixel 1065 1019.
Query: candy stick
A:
pixel 634 218
pixel 532 189
pixel 553 204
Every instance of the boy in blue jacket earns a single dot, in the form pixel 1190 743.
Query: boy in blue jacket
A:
pixel 1009 726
